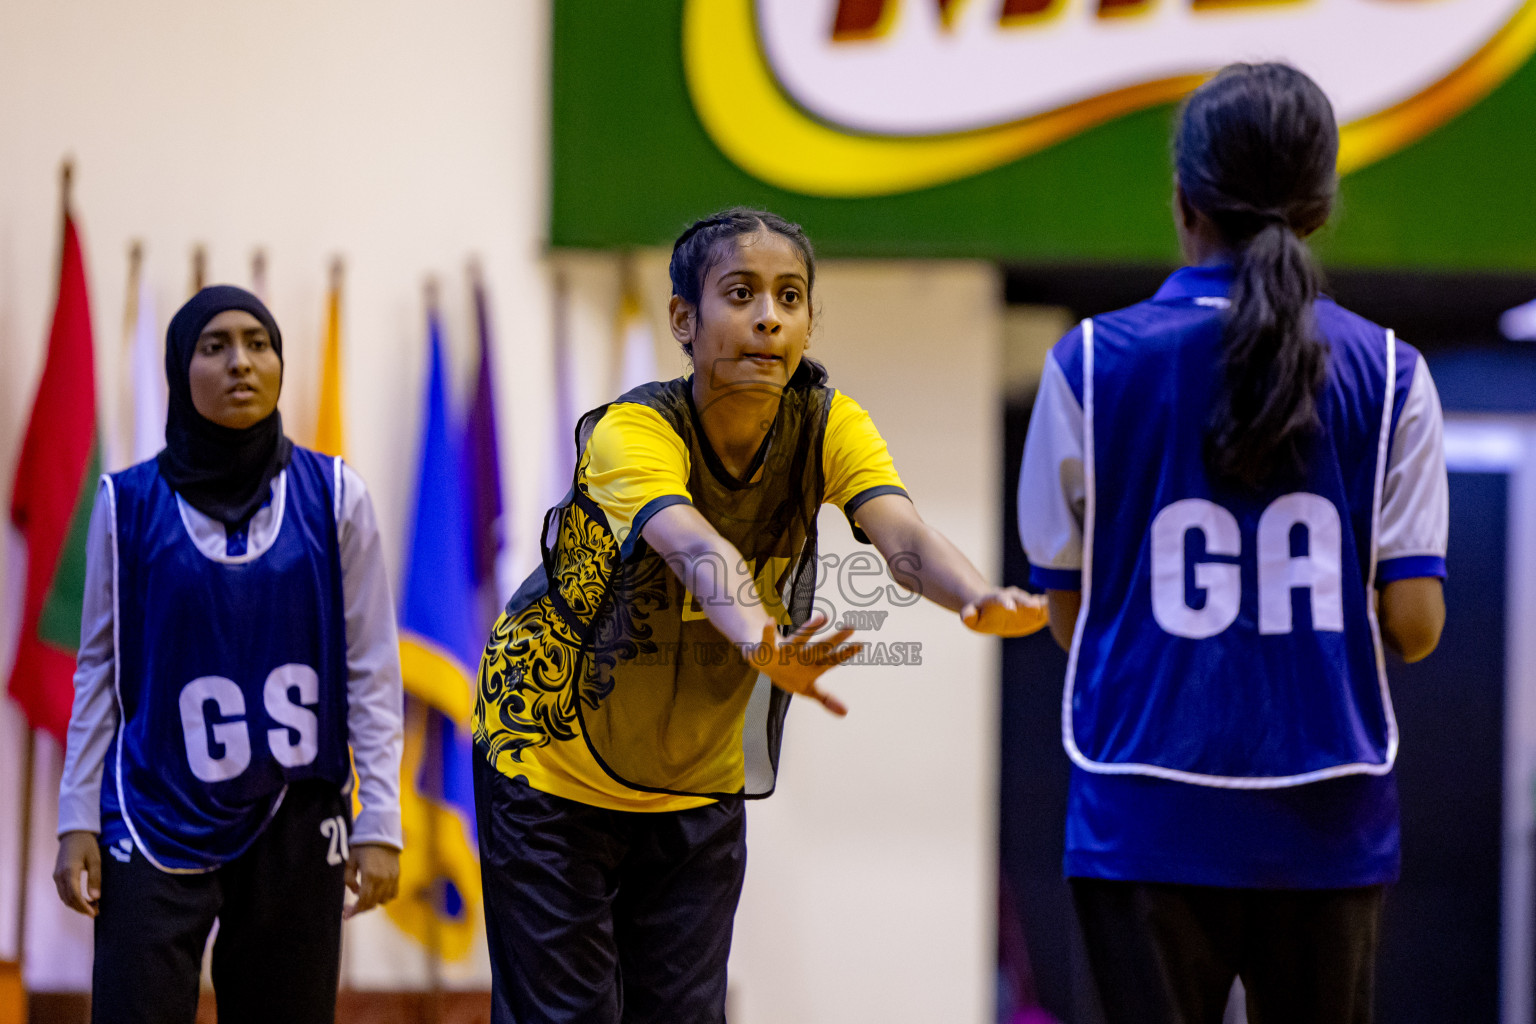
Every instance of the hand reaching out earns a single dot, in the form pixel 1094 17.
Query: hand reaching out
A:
pixel 1007 611
pixel 795 662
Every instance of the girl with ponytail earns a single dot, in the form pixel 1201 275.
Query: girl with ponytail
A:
pixel 1241 200
pixel 1234 494
pixel 634 692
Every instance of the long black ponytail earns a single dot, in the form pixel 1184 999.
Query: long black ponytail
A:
pixel 1255 152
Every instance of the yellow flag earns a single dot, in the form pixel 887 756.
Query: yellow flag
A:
pixel 330 435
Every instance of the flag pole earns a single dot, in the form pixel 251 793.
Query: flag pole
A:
pixel 199 267
pixel 28 768
pixel 66 185
pixel 29 753
pixel 259 273
pixel 135 268
pixel 433 769
pixel 433 783
pixel 121 437
pixel 334 281
pixel 330 426
pixel 29 760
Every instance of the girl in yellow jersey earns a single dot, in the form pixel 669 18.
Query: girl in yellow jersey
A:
pixel 634 690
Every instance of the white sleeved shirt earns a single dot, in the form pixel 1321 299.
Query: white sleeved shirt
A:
pixel 1415 507
pixel 374 695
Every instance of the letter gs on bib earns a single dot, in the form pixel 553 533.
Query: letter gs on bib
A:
pixel 222 750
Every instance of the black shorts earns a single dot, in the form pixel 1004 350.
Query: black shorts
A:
pixel 278 952
pixel 604 916
pixel 1167 954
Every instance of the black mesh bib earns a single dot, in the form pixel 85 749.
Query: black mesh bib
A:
pixel 664 702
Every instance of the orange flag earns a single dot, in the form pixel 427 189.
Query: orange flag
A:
pixel 330 433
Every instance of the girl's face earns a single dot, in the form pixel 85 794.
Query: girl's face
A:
pixel 235 373
pixel 753 321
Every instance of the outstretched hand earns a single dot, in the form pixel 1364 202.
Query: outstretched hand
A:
pixel 1007 611
pixel 795 662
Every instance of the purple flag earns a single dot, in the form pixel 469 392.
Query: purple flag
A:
pixel 482 478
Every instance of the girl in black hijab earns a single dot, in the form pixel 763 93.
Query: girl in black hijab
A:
pixel 238 635
pixel 223 472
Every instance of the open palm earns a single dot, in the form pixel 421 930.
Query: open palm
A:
pixel 1008 611
pixel 796 662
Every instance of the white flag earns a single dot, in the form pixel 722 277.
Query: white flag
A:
pixel 54 942
pixel 57 946
pixel 13 790
pixel 13 736
pixel 146 380
pixel 637 347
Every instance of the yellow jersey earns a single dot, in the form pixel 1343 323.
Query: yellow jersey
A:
pixel 603 680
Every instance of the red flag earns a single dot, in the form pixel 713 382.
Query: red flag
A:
pixel 51 503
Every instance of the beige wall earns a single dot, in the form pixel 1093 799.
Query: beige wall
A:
pixel 407 137
pixel 404 136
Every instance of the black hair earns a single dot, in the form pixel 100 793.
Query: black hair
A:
pixel 1255 152
pixel 702 246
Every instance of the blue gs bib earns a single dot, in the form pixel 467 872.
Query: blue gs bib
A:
pixel 231 672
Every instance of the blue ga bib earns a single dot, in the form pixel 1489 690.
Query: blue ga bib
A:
pixel 1226 639
pixel 231 672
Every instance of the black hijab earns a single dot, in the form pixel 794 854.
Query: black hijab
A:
pixel 222 472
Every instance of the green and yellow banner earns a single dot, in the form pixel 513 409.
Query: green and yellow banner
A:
pixel 1030 130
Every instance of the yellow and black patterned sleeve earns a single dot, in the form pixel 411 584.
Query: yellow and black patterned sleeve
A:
pixel 855 461
pixel 635 465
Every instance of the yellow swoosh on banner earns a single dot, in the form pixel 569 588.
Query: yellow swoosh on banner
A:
pixel 1381 134
pixel 757 126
